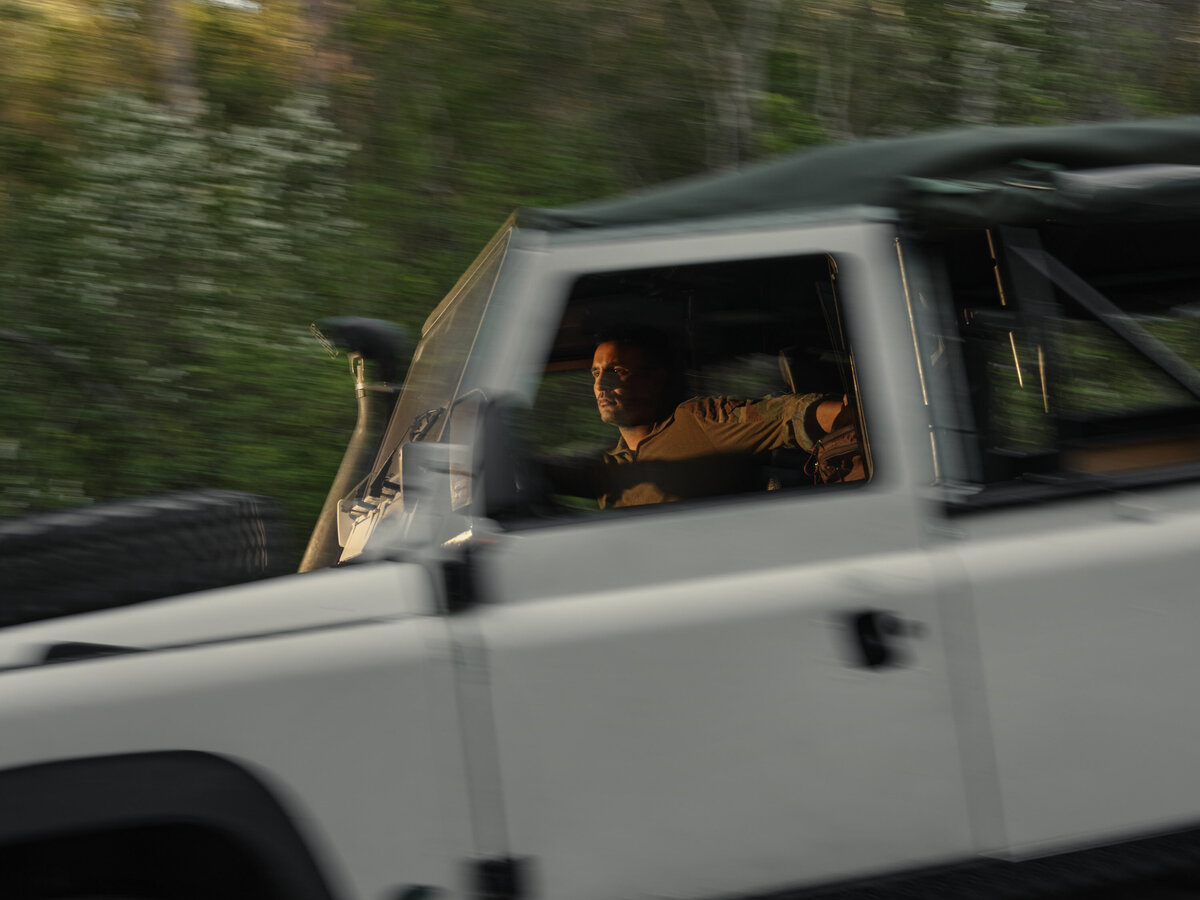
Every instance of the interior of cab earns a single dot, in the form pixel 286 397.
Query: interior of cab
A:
pixel 1080 346
pixel 742 329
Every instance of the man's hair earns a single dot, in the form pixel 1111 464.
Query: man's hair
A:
pixel 653 342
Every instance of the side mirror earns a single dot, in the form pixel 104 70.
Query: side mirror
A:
pixel 478 470
pixel 509 482
pixel 481 469
pixel 438 474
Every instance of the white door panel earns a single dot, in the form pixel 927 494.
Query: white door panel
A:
pixel 1087 644
pixel 711 736
pixel 352 726
pixel 679 709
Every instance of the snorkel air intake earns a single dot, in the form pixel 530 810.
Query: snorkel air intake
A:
pixel 379 352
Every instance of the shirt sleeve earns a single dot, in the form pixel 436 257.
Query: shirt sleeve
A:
pixel 756 426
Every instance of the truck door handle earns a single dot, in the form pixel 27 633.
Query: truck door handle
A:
pixel 877 638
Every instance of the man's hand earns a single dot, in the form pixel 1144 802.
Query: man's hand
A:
pixel 828 412
pixel 838 456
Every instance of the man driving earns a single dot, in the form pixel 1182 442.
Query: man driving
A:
pixel 672 450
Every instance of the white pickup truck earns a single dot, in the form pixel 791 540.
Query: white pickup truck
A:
pixel 972 673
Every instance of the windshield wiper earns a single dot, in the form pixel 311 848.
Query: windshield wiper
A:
pixel 421 424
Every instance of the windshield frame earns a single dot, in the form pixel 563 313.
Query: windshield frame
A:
pixel 427 392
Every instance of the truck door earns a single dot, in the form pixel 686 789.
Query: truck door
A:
pixel 1080 533
pixel 735 693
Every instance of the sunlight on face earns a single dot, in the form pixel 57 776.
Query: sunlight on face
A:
pixel 627 383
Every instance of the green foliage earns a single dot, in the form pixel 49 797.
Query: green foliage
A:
pixel 1103 376
pixel 787 126
pixel 158 298
pixel 233 66
pixel 160 264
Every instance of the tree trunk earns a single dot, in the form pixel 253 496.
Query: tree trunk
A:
pixel 316 76
pixel 735 62
pixel 173 57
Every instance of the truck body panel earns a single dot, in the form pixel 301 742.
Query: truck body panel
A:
pixel 961 657
pixel 352 724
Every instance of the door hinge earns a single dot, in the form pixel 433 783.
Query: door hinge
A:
pixel 500 878
pixel 461 589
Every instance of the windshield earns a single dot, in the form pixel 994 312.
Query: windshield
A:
pixel 437 368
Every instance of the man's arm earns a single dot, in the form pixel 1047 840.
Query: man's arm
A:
pixel 756 426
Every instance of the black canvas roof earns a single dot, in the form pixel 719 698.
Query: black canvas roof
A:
pixel 971 175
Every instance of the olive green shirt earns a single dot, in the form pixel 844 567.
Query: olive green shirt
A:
pixel 708 446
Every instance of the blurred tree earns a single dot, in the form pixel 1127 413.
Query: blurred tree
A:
pixel 51 52
pixel 152 297
pixel 162 247
pixel 174 60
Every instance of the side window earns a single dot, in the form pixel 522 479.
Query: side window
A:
pixel 1081 347
pixel 687 382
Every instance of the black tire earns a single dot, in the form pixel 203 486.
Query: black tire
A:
pixel 114 554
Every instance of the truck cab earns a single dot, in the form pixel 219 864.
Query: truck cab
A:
pixel 964 672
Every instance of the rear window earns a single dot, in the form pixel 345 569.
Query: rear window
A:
pixel 1078 352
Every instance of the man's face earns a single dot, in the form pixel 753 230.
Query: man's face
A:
pixel 628 385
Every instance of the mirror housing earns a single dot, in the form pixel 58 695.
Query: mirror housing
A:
pixel 509 483
pixel 482 470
